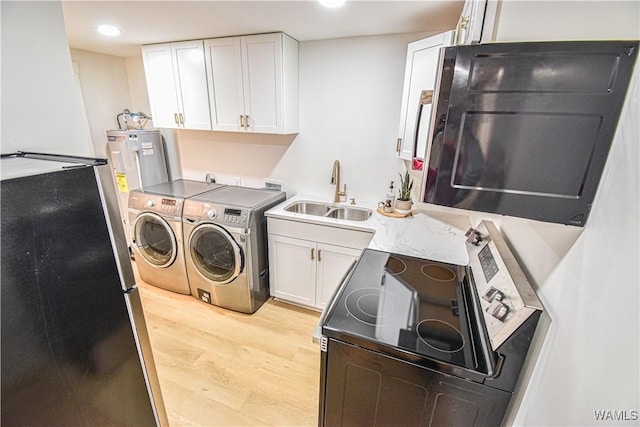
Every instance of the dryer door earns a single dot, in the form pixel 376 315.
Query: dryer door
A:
pixel 155 240
pixel 215 254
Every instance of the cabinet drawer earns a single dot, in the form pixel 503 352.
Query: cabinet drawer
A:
pixel 320 233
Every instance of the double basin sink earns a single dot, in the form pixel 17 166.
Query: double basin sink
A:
pixel 328 210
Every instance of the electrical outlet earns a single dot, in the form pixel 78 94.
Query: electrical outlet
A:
pixel 209 178
pixel 237 180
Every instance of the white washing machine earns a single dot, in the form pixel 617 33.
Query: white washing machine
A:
pixel 155 215
pixel 226 246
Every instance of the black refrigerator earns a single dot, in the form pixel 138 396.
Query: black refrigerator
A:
pixel 74 344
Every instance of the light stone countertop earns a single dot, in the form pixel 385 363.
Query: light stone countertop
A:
pixel 421 235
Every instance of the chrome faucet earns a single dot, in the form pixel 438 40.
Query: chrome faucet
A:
pixel 335 179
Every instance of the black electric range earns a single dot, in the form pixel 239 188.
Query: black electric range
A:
pixel 449 339
pixel 407 305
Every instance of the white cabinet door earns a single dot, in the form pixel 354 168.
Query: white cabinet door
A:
pixel 177 85
pixel 420 75
pixel 333 263
pixel 477 21
pixel 191 84
pixel 262 78
pixel 226 95
pixel 253 83
pixel 292 273
pixel 163 99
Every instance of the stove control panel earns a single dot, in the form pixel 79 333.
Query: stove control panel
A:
pixel 506 296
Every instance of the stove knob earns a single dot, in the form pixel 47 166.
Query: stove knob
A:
pixel 498 310
pixel 151 203
pixel 212 214
pixel 493 294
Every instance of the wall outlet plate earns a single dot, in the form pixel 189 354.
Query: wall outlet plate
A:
pixel 273 184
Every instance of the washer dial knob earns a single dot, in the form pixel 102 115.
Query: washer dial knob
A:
pixel 150 203
pixel 212 214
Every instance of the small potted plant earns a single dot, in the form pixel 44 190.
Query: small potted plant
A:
pixel 403 203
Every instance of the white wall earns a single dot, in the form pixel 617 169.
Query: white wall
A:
pixel 41 102
pixel 350 94
pixel 105 89
pixel 137 84
pixel 527 20
pixel 589 358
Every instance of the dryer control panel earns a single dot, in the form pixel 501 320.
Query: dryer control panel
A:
pixel 197 212
pixel 237 217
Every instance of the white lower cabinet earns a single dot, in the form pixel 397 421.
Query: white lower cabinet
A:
pixel 292 272
pixel 305 271
pixel 333 263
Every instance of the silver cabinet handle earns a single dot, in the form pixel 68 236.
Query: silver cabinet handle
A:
pixel 241 122
pixel 175 118
pixel 181 119
pixel 426 98
pixel 464 22
pixel 246 121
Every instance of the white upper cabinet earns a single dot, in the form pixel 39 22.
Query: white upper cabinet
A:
pixel 253 83
pixel 419 84
pixel 477 22
pixel 177 85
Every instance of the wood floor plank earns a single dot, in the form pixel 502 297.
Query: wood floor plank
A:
pixel 218 367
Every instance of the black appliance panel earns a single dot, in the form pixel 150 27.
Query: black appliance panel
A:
pixel 69 355
pixel 366 388
pixel 524 129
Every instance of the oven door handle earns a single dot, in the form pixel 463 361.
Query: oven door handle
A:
pixel 317 335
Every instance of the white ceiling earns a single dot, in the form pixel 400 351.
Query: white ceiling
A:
pixel 145 22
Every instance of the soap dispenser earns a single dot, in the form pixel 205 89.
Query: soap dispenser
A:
pixel 390 199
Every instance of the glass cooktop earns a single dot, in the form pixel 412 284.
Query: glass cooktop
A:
pixel 406 303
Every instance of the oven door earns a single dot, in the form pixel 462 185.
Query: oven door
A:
pixel 155 240
pixel 215 254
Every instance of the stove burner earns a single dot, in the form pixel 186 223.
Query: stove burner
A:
pixel 440 336
pixel 395 265
pixel 368 304
pixel 363 305
pixel 438 272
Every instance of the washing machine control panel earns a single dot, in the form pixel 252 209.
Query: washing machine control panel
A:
pixel 169 205
pixel 235 216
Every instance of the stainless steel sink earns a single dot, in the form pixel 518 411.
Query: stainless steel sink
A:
pixel 329 211
pixel 308 208
pixel 349 214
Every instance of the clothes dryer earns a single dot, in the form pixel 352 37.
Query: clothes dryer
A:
pixel 225 246
pixel 155 215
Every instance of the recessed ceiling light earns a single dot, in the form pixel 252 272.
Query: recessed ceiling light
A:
pixel 332 3
pixel 108 30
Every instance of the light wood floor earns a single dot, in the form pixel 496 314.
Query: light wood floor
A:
pixel 222 368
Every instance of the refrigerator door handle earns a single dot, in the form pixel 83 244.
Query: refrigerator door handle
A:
pixel 131 289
